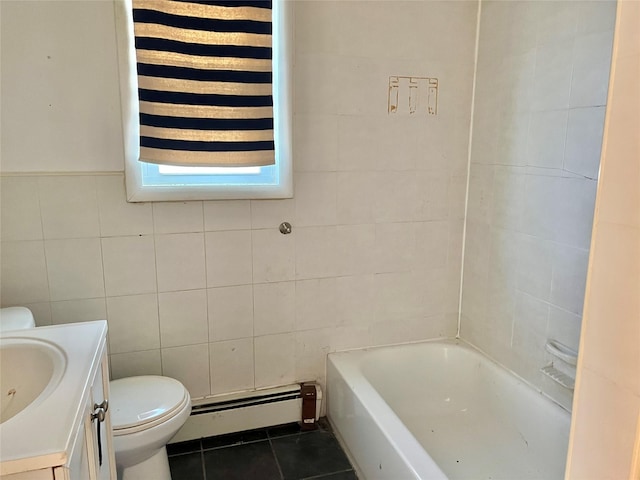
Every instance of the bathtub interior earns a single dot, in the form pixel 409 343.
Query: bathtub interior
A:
pixel 474 418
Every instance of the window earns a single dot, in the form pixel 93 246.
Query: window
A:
pixel 152 182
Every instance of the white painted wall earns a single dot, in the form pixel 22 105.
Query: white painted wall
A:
pixel 60 90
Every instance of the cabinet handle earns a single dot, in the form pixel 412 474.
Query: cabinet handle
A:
pixel 99 414
pixel 104 405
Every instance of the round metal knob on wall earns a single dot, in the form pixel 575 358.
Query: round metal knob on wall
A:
pixel 285 228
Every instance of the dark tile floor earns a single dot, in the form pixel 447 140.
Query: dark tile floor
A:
pixel 276 453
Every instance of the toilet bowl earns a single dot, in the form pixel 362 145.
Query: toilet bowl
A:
pixel 146 411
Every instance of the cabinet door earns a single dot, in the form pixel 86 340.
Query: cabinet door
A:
pixel 105 470
pixel 80 462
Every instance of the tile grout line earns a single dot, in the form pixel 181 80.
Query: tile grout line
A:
pixel 327 475
pixel 275 457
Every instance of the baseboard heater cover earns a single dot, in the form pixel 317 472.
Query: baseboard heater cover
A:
pixel 237 412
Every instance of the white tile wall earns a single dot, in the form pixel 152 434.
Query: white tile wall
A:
pixel 531 196
pixel 230 312
pixel 74 267
pixel 69 311
pixel 273 256
pixel 274 308
pixel 177 217
pixel 228 258
pixel 231 365
pixel 146 362
pixel 20 209
pixel 231 215
pixel 117 216
pixel 23 272
pixel 190 365
pixel 129 265
pixel 211 292
pixel 180 260
pixel 69 207
pixel 133 323
pixel 183 317
pixel 275 359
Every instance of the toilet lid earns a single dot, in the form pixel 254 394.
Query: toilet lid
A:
pixel 136 401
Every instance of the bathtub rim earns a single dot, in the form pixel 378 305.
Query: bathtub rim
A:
pixel 459 341
pixel 387 423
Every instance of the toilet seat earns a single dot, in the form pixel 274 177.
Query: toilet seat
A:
pixel 140 403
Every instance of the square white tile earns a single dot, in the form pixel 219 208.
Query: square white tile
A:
pixel 69 207
pixel 133 323
pixel 230 312
pixel 178 217
pixel 23 273
pixel 355 192
pixel 311 351
pixel 316 143
pixel 129 265
pixel 227 215
pixel 274 308
pixel 432 195
pixel 569 278
pixel 431 244
pixel 315 198
pixel 552 78
pixel 20 209
pixel 354 300
pixel 271 213
pixel 547 133
pixel 355 249
pixel 189 365
pixel 117 216
pixel 274 360
pixel 231 366
pixel 395 247
pixel 273 256
pixel 183 318
pixel 74 267
pixel 535 267
pixel 396 198
pixel 316 252
pixel 180 260
pixel 229 259
pixel 315 303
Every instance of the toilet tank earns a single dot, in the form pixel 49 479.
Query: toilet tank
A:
pixel 16 318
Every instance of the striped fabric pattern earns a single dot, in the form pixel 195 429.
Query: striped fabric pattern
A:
pixel 205 82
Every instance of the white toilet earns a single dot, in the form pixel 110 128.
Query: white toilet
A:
pixel 146 411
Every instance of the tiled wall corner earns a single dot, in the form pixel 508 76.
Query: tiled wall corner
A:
pixel 537 135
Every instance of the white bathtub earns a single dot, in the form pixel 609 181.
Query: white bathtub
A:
pixel 442 410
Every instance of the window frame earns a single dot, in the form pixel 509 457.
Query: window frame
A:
pixel 137 191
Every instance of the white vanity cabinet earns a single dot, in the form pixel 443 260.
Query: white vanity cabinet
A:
pixel 58 438
pixel 90 459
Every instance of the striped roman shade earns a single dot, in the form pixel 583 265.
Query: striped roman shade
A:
pixel 205 82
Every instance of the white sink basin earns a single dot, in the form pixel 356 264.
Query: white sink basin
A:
pixel 49 368
pixel 30 369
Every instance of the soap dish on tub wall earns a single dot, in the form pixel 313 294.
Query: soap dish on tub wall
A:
pixel 565 375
